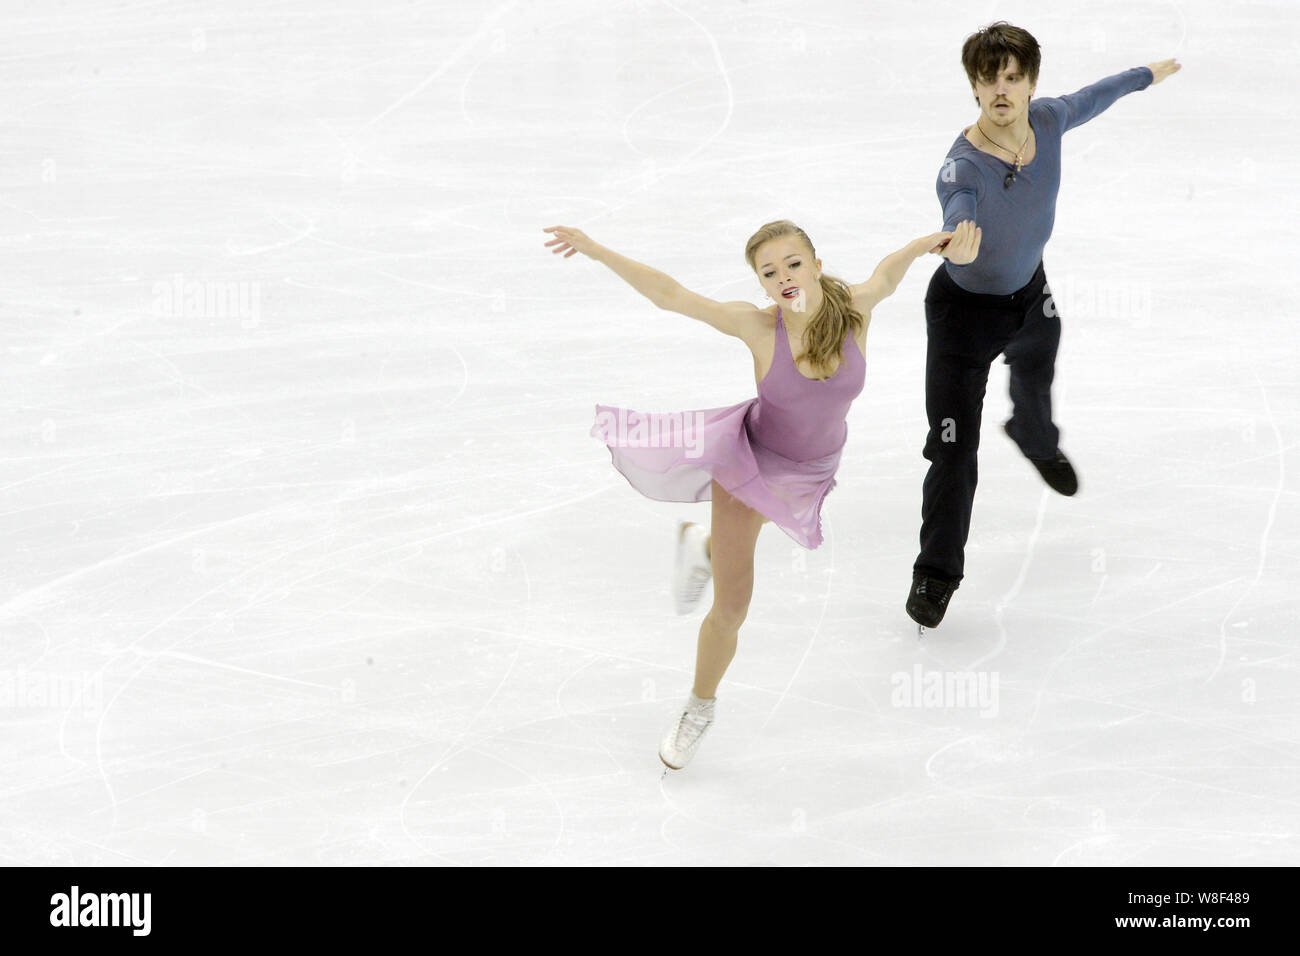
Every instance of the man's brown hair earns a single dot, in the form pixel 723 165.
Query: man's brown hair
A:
pixel 986 52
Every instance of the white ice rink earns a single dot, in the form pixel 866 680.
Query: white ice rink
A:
pixel 308 556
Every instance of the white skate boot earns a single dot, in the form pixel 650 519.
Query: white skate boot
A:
pixel 692 568
pixel 683 737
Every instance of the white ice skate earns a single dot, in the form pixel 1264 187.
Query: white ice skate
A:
pixel 692 568
pixel 683 738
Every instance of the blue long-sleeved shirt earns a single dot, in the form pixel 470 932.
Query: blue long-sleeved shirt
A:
pixel 1016 222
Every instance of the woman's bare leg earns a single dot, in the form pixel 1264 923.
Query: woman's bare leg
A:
pixel 731 550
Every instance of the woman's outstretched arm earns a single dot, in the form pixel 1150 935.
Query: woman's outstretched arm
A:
pixel 731 318
pixel 889 273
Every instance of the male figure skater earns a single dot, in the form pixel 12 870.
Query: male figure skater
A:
pixel 1003 172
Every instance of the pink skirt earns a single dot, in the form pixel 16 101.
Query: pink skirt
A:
pixel 675 456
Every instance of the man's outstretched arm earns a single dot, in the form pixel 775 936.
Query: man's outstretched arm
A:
pixel 1097 98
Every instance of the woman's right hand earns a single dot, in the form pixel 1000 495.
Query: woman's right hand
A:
pixel 964 245
pixel 569 240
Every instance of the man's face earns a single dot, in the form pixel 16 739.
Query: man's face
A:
pixel 1006 97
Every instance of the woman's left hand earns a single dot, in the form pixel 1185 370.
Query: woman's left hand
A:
pixel 936 242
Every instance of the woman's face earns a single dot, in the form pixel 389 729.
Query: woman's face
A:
pixel 789 274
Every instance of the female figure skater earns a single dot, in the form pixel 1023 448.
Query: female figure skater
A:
pixel 771 458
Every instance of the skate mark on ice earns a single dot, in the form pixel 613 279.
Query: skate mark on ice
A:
pixel 1263 538
pixel 826 600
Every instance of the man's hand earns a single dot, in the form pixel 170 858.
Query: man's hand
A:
pixel 1162 69
pixel 964 245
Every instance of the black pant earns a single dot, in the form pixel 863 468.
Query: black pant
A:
pixel 966 332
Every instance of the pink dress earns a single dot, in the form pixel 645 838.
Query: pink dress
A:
pixel 777 453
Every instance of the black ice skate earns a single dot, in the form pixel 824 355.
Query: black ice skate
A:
pixel 928 599
pixel 1057 471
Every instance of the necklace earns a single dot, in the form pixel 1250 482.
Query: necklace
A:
pixel 1019 154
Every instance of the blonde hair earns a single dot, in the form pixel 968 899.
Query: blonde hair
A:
pixel 824 336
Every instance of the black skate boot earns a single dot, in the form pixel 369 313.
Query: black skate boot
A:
pixel 1057 471
pixel 928 599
